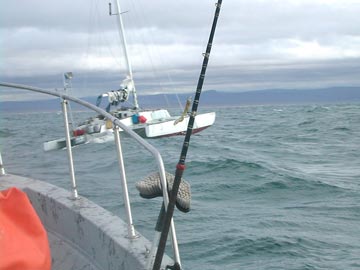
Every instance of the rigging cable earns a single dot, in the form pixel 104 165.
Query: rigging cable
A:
pixel 152 49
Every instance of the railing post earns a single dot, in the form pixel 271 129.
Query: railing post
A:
pixel 131 229
pixel 69 150
pixel 126 129
pixel 2 170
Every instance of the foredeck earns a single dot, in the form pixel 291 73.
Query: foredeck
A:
pixel 82 235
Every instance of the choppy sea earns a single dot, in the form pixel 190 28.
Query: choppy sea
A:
pixel 273 187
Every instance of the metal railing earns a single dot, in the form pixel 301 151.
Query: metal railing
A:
pixel 116 124
pixel 2 170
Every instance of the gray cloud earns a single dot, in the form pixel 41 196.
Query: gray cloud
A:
pixel 258 44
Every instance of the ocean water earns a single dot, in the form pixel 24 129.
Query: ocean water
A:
pixel 273 187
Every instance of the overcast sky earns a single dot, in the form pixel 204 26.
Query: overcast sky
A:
pixel 259 44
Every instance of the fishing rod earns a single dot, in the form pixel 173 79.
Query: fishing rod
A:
pixel 180 167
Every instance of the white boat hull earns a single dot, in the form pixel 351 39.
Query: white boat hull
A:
pixel 61 143
pixel 159 124
pixel 168 128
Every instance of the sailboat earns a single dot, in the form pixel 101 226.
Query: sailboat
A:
pixel 156 123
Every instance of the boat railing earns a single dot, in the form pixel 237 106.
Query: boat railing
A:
pixel 116 126
pixel 2 169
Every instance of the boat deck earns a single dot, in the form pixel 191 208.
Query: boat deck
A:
pixel 82 235
pixel 66 256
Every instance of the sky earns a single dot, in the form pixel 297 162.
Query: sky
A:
pixel 259 44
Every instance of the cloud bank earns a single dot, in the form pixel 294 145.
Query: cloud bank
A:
pixel 258 44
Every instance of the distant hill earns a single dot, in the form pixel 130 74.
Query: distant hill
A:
pixel 270 96
pixel 213 98
pixel 282 96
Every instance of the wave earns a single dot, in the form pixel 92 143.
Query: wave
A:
pixel 301 184
pixel 341 129
pixel 222 164
pixel 270 186
pixel 6 133
pixel 231 249
pixel 317 108
pixel 293 247
pixel 254 177
pixel 307 122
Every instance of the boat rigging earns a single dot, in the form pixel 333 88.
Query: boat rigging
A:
pixel 154 123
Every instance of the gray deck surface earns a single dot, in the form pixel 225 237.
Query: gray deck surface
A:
pixel 82 235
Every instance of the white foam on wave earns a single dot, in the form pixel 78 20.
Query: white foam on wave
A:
pixel 108 137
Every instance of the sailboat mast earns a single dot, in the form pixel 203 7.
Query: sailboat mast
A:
pixel 127 60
